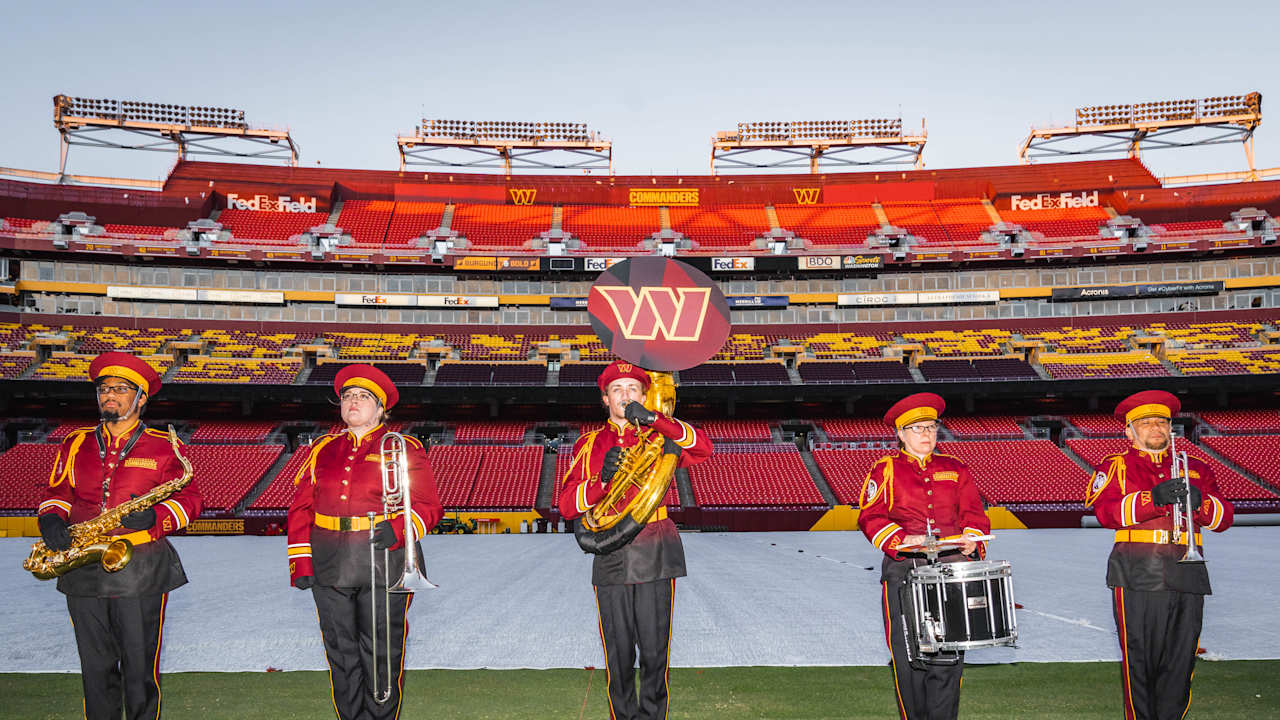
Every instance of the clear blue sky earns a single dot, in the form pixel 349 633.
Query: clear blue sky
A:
pixel 658 78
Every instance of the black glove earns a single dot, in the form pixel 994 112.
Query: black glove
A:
pixel 1169 492
pixel 54 532
pixel 305 582
pixel 141 520
pixel 610 465
pixel 384 535
pixel 638 413
pixel 669 447
pixel 1196 498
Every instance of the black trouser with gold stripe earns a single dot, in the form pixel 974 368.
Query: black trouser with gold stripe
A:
pixel 928 691
pixel 347 630
pixel 119 644
pixel 634 616
pixel 1159 634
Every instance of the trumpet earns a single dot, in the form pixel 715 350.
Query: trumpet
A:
pixel 396 487
pixel 1184 514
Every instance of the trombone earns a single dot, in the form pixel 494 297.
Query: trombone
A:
pixel 396 485
pixel 1184 515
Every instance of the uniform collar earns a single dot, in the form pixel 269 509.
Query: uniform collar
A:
pixel 117 439
pixel 919 462
pixel 1155 457
pixel 619 429
pixel 368 434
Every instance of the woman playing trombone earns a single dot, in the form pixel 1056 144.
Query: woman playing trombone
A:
pixel 347 530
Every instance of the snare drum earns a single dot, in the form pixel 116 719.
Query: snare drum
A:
pixel 960 605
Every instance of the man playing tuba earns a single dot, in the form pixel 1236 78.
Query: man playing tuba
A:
pixel 634 585
pixel 118 616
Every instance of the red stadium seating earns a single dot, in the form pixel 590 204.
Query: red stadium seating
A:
pixel 24 475
pixel 1020 471
pixel 1099 425
pixel 507 478
pixel 856 429
pixel 455 469
pixel 1253 453
pixel 611 227
pixel 366 221
pixel 754 479
pixel 501 226
pixel 411 221
pixel 244 431
pixel 1243 422
pixel 726 226
pixel 60 433
pixel 510 433
pixel 279 494
pixel 846 470
pixel 829 224
pixel 977 427
pixel 226 473
pixel 736 430
pixel 256 227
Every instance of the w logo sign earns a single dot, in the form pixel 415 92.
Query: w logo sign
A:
pixel 676 314
pixel 522 196
pixel 806 196
pixel 658 314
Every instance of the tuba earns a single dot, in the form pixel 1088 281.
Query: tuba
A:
pixel 647 467
pixel 91 540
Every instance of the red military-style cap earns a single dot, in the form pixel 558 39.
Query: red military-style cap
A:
pixel 618 370
pixel 128 367
pixel 370 378
pixel 1148 403
pixel 913 409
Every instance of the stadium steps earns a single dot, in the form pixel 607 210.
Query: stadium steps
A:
pixel 446 218
pixel 794 374
pixel 819 479
pixel 664 217
pixel 1251 477
pixel 916 374
pixel 772 214
pixel 238 509
pixel 336 212
pixel 173 370
pixel 684 488
pixel 991 211
pixel 557 217
pixel 553 378
pixel 546 481
pixel 1071 454
pixel 303 375
pixel 880 215
pixel 1173 369
pixel 31 369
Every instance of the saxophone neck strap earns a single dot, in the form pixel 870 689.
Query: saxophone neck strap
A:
pixel 101 435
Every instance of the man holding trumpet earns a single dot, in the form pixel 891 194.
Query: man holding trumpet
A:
pixel 339 512
pixel 1158 500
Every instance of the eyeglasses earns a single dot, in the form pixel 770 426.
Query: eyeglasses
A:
pixel 356 396
pixel 1151 422
pixel 923 428
pixel 118 390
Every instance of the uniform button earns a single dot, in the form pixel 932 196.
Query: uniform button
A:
pixel 347 468
pixel 930 506
pixel 351 457
pixel 929 493
pixel 344 482
pixel 342 497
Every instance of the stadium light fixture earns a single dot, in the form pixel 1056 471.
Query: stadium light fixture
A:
pixel 829 142
pixel 507 144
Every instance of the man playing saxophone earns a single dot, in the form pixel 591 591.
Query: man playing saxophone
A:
pixel 635 585
pixel 338 488
pixel 118 616
pixel 1157 585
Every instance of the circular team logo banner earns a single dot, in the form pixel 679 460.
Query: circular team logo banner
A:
pixel 658 313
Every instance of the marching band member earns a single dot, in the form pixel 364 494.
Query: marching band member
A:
pixel 1158 602
pixel 337 487
pixel 118 617
pixel 908 494
pixel 634 585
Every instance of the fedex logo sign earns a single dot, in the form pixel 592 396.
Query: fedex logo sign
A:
pixel 280 203
pixel 1046 201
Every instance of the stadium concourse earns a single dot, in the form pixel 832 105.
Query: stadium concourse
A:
pixel 512 601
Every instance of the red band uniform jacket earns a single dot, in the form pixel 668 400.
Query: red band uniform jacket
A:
pixel 902 494
pixel 342 478
pixel 1120 494
pixel 95 471
pixel 656 553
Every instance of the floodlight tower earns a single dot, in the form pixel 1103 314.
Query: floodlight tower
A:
pixel 506 144
pixel 164 127
pixel 1104 129
pixel 815 143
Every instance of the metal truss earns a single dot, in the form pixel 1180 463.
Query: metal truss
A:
pixel 817 144
pixel 418 150
pixel 125 125
pixel 1125 129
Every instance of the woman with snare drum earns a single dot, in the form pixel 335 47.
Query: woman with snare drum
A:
pixel 910 496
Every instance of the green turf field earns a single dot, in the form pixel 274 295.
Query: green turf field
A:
pixel 1223 690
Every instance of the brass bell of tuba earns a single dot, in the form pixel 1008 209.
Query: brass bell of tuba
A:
pixel 645 467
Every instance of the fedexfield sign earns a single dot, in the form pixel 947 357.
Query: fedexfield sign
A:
pixel 280 203
pixel 1047 201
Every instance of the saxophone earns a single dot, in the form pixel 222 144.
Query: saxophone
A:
pixel 90 541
